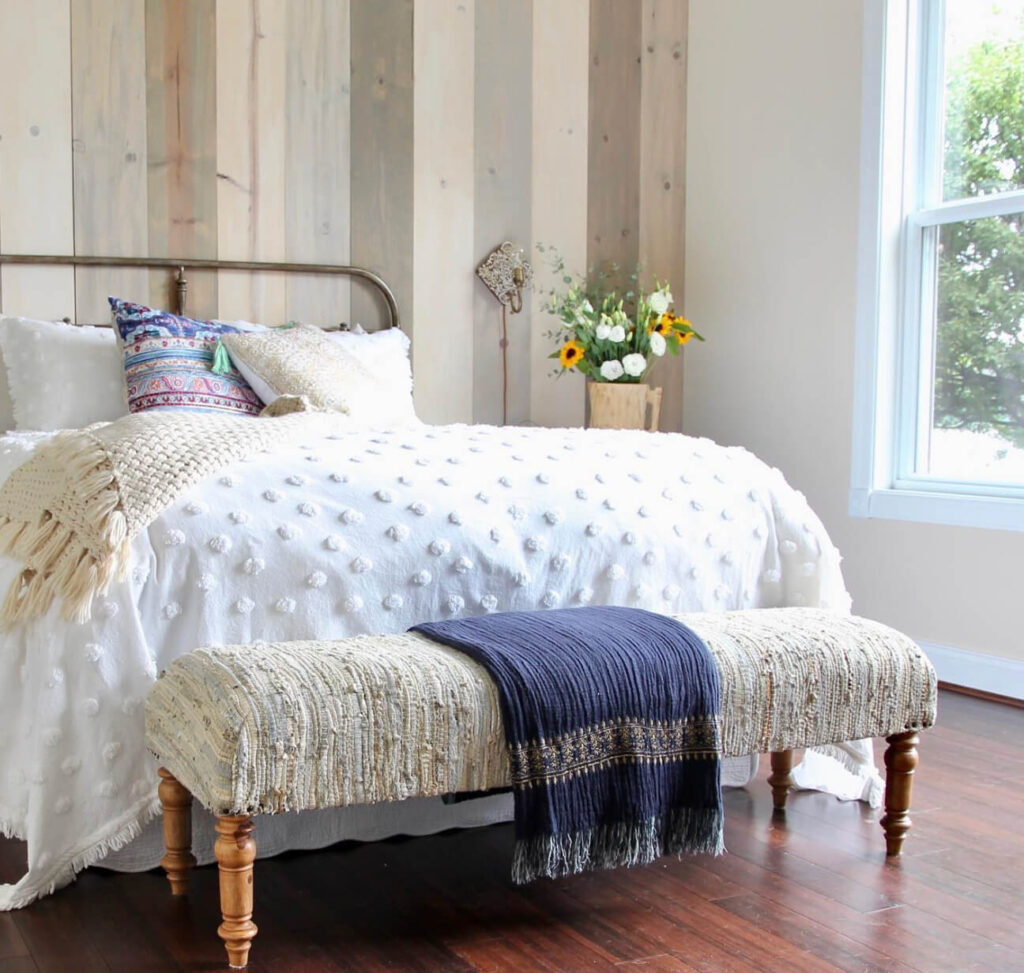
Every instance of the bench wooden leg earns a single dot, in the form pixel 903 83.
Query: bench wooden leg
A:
pixel 900 762
pixel 781 779
pixel 236 851
pixel 178 859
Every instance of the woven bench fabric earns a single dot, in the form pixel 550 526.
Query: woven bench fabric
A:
pixel 293 726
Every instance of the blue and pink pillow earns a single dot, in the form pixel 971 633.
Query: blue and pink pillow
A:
pixel 168 362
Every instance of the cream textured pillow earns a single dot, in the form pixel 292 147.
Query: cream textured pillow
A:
pixel 304 361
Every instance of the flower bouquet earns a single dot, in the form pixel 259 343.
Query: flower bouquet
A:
pixel 614 339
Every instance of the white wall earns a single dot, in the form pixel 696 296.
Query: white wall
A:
pixel 772 196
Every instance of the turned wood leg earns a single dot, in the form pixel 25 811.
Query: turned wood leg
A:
pixel 900 762
pixel 178 859
pixel 236 851
pixel 781 779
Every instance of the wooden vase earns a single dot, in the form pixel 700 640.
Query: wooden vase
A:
pixel 620 406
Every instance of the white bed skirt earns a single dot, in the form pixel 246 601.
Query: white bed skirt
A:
pixel 366 822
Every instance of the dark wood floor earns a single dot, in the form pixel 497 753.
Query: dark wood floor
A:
pixel 807 892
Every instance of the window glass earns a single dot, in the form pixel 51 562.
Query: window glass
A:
pixel 983 98
pixel 977 353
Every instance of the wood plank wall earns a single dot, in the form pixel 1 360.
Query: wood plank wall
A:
pixel 266 129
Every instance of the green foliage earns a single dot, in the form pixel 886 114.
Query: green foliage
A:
pixel 979 355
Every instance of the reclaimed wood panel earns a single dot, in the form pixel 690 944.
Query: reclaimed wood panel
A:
pixel 613 214
pixel 251 55
pixel 181 131
pixel 317 156
pixel 558 189
pixel 663 174
pixel 503 161
pixel 108 131
pixel 382 154
pixel 35 155
pixel 443 184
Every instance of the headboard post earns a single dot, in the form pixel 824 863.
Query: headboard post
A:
pixel 181 290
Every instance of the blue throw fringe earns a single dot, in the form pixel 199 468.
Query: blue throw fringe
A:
pixel 612 724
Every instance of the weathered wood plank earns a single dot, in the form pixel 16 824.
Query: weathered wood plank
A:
pixel 558 188
pixel 108 88
pixel 382 153
pixel 35 155
pixel 663 173
pixel 613 214
pixel 181 132
pixel 317 158
pixel 503 161
pixel 251 54
pixel 443 281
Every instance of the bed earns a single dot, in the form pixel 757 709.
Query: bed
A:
pixel 370 531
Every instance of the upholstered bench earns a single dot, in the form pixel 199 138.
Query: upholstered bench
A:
pixel 266 728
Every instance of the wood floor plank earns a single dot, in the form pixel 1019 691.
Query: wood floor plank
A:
pixel 57 939
pixel 11 943
pixel 18 964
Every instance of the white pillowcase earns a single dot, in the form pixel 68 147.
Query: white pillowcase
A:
pixel 385 355
pixel 60 376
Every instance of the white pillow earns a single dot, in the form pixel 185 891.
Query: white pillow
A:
pixel 60 376
pixel 385 355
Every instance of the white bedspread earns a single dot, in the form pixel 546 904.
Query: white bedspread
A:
pixel 372 532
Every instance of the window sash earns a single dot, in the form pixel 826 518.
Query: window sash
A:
pixel 925 212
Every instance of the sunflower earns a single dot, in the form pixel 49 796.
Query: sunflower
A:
pixel 663 325
pixel 683 338
pixel 571 353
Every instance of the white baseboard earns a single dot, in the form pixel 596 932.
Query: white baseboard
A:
pixel 975 670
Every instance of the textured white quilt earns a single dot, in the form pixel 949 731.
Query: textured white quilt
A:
pixel 372 532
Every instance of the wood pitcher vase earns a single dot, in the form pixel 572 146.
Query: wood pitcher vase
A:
pixel 615 406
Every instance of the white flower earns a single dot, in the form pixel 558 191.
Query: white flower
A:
pixel 618 333
pixel 611 370
pixel 660 301
pixel 602 331
pixel 634 364
pixel 657 344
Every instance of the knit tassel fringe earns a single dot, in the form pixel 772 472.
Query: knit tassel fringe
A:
pixel 689 831
pixel 58 564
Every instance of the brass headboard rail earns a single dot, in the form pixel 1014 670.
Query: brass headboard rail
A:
pixel 180 265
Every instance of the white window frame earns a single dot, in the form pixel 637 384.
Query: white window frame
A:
pixel 900 204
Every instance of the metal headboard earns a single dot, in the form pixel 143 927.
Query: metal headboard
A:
pixel 181 281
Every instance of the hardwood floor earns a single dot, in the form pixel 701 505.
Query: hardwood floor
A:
pixel 807 892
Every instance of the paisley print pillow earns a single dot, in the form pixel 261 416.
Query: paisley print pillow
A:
pixel 168 362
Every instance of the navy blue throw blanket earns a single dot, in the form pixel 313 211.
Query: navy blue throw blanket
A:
pixel 612 724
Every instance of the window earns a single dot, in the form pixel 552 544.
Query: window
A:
pixel 939 427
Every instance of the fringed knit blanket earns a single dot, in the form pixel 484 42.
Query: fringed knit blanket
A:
pixel 611 720
pixel 69 514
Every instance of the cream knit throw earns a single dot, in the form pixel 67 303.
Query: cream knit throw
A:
pixel 69 514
